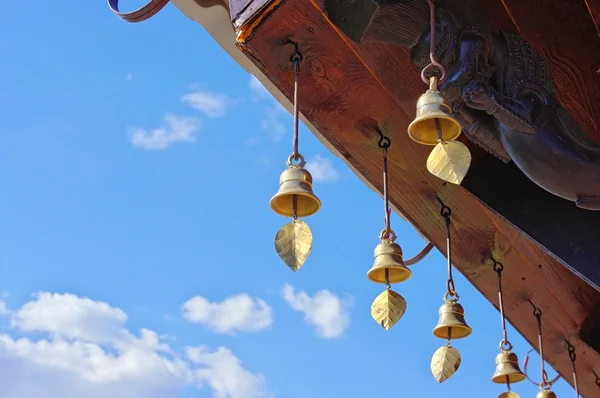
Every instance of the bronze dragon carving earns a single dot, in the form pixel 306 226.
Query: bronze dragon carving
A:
pixel 500 87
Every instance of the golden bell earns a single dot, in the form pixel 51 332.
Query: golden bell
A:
pixel 388 257
pixel 431 107
pixel 545 394
pixel 451 324
pixel 296 182
pixel 507 369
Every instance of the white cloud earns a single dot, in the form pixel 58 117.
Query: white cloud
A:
pixel 322 169
pixel 174 130
pixel 210 103
pixel 225 375
pixel 239 313
pixel 272 122
pixel 257 90
pixel 327 312
pixel 82 348
pixel 3 308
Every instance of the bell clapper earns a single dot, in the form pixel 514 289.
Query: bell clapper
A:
pixel 295 197
pixel 451 324
pixel 507 363
pixel 388 267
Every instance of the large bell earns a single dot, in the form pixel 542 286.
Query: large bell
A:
pixel 545 394
pixel 295 182
pixel 507 369
pixel 388 257
pixel 451 324
pixel 433 109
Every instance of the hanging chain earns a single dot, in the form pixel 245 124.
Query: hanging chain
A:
pixel 296 58
pixel 434 63
pixel 384 143
pixel 573 357
pixel 537 313
pixel 446 213
pixel 505 345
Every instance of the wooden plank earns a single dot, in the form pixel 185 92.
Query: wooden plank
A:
pixel 568 39
pixel 344 99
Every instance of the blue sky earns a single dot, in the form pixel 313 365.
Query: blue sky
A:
pixel 136 240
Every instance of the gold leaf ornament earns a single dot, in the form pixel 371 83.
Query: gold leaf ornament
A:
pixel 445 363
pixel 388 308
pixel 293 243
pixel 450 161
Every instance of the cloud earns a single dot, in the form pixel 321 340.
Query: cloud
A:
pixel 327 312
pixel 210 103
pixel 239 313
pixel 272 123
pixel 80 347
pixel 225 375
pixel 175 129
pixel 257 90
pixel 322 169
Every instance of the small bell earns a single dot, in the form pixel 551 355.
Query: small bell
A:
pixel 451 324
pixel 433 111
pixel 296 182
pixel 507 369
pixel 545 394
pixel 388 257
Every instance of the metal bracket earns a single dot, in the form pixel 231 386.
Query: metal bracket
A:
pixel 139 15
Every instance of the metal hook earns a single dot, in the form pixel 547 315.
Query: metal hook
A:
pixel 296 57
pixel 498 266
pixel 445 211
pixel 384 141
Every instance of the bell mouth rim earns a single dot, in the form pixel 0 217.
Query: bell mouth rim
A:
pixel 464 328
pixel 391 281
pixel 300 214
pixel 432 142
pixel 515 378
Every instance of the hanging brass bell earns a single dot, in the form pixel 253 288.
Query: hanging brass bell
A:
pixel 431 107
pixel 295 182
pixel 545 394
pixel 451 323
pixel 388 257
pixel 507 369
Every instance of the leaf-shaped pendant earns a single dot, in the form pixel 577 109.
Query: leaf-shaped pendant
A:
pixel 444 363
pixel 388 308
pixel 509 394
pixel 293 243
pixel 450 161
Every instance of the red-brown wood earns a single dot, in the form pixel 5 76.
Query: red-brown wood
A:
pixel 566 34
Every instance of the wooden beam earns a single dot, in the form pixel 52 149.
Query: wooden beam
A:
pixel 344 97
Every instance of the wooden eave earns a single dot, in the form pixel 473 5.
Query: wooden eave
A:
pixel 348 89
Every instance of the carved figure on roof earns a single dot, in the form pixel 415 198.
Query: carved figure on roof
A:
pixel 502 94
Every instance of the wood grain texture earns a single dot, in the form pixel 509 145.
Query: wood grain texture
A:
pixel 566 34
pixel 345 96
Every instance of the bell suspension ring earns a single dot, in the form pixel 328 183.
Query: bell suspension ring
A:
pixel 295 197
